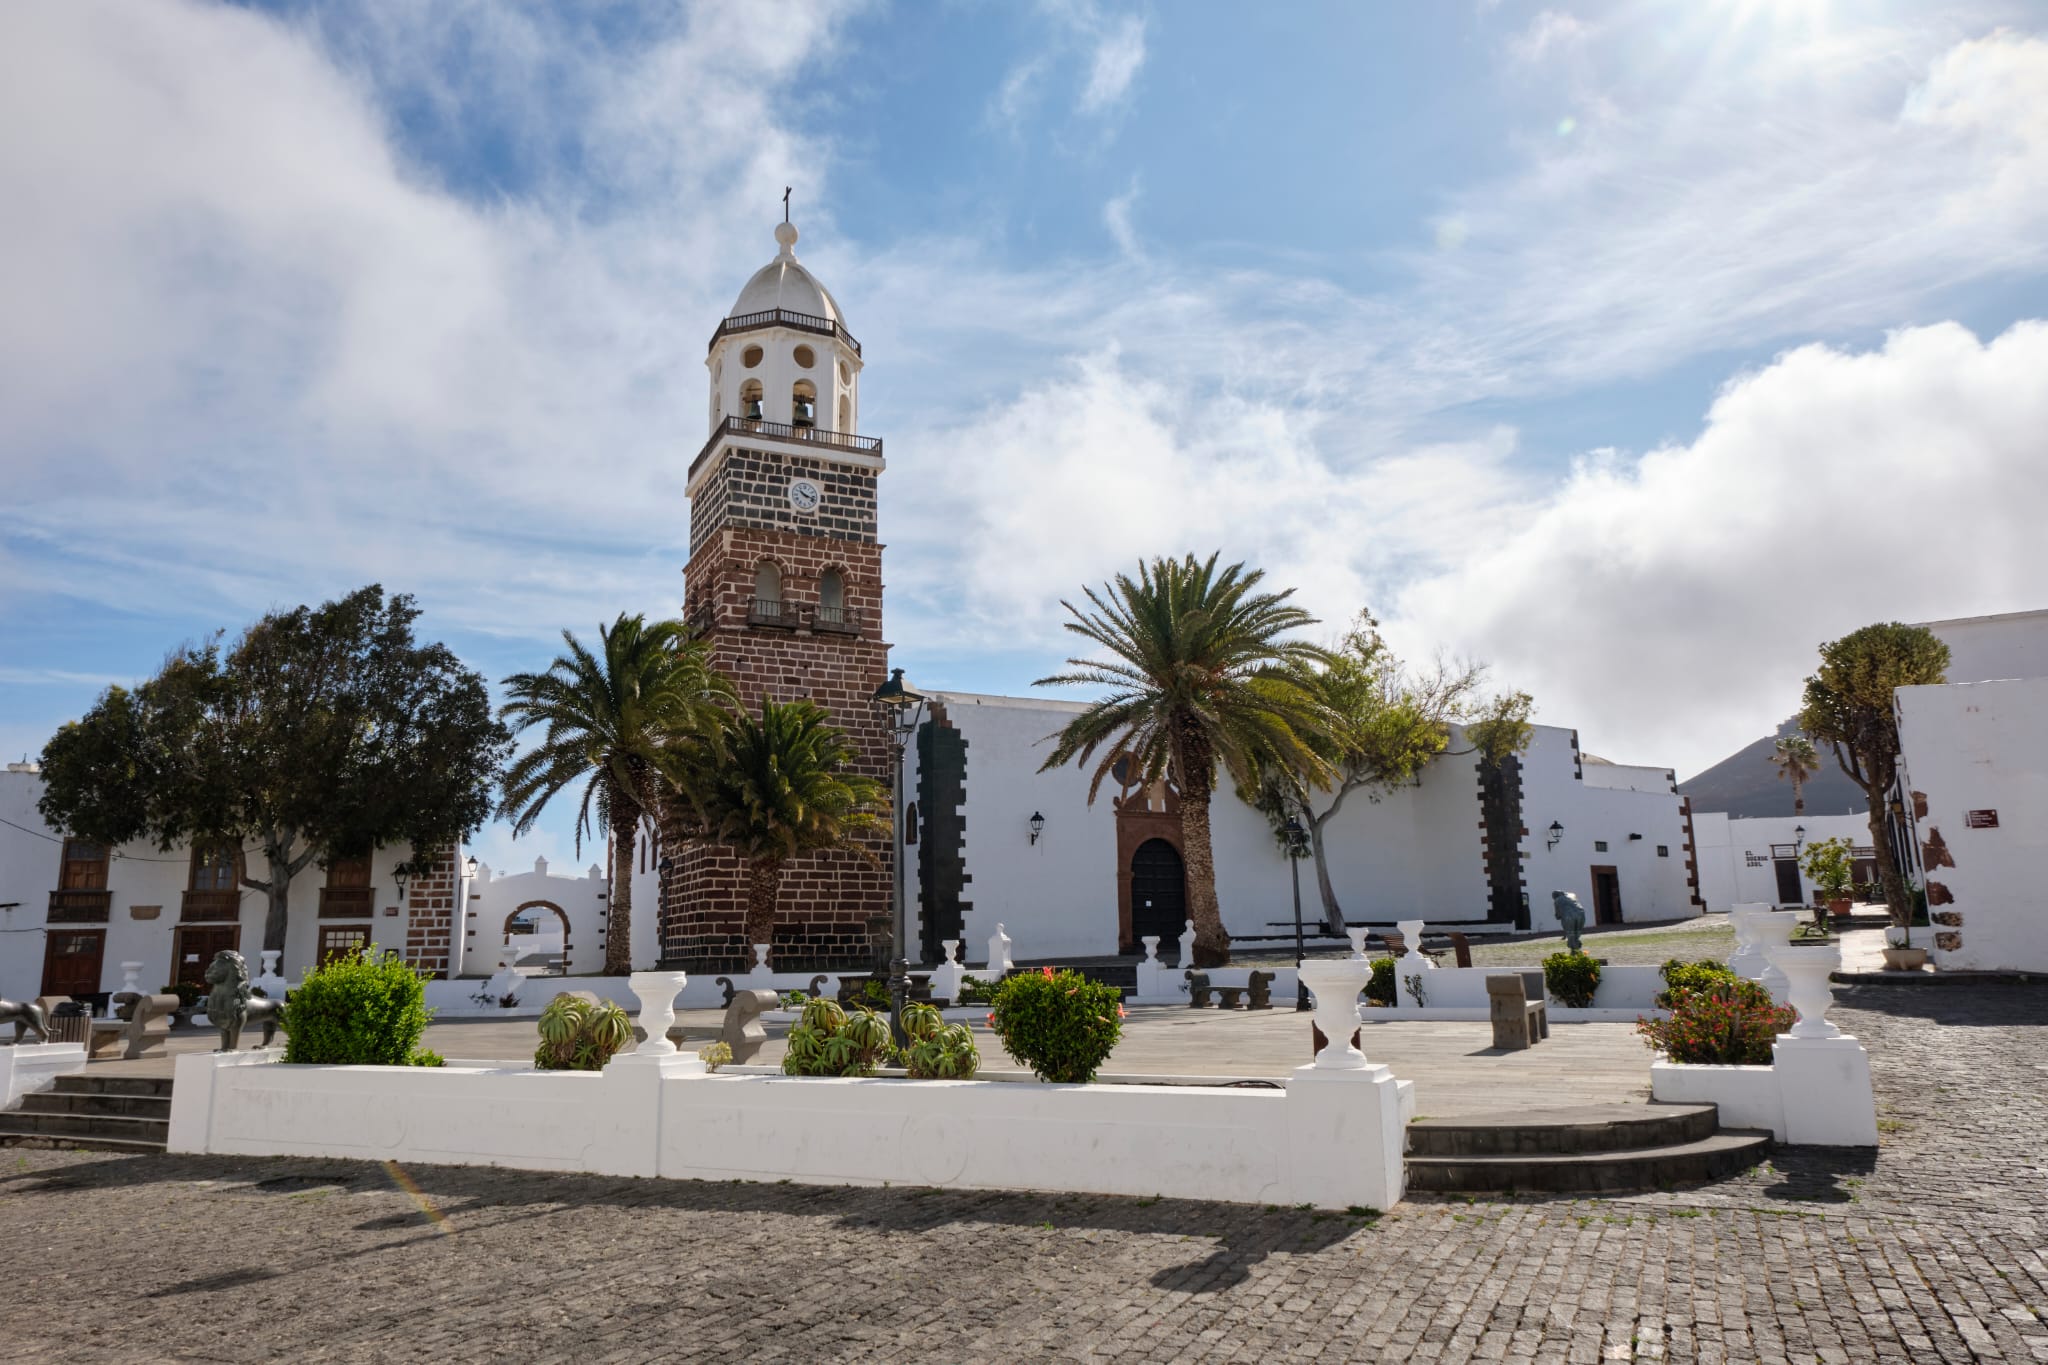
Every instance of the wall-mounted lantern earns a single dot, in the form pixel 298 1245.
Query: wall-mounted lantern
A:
pixel 1037 823
pixel 1635 838
pixel 470 866
pixel 1556 833
pixel 1798 837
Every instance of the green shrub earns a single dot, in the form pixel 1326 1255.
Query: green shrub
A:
pixel 1060 1024
pixel 580 1035
pixel 938 1050
pixel 1726 1023
pixel 1380 990
pixel 794 1000
pixel 715 1055
pixel 1681 976
pixel 1830 862
pixel 975 991
pixel 189 993
pixel 828 1041
pixel 1571 979
pixel 875 994
pixel 357 1009
pixel 425 1058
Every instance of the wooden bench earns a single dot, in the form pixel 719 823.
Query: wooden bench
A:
pixel 1518 1021
pixel 140 1025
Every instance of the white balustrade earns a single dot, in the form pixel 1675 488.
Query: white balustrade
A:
pixel 1335 984
pixel 1806 968
pixel 657 992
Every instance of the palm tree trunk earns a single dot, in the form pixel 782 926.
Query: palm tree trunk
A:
pixel 618 927
pixel 1198 852
pixel 764 887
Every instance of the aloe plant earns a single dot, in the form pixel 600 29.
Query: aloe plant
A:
pixel 828 1041
pixel 938 1050
pixel 580 1035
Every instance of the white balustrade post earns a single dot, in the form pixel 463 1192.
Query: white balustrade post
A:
pixel 1335 984
pixel 760 961
pixel 1806 970
pixel 946 976
pixel 1774 930
pixel 999 951
pixel 131 978
pixel 1748 961
pixel 1151 942
pixel 1357 937
pixel 657 992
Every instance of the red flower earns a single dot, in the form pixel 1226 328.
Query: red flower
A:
pixel 1120 1013
pixel 1047 971
pixel 991 1020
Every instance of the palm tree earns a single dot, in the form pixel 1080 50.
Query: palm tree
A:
pixel 777 788
pixel 1199 674
pixel 1797 762
pixel 611 718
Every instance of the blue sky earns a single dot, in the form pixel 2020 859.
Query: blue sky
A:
pixel 1596 341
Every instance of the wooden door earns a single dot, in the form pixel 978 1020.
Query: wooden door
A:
pixel 71 961
pixel 1606 896
pixel 1789 892
pixel 1159 893
pixel 193 947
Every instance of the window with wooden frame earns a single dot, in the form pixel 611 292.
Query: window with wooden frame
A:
pixel 339 940
pixel 85 866
pixel 81 896
pixel 214 889
pixel 348 893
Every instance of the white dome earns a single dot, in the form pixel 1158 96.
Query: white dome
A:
pixel 785 284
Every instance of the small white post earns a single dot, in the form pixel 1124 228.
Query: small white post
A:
pixel 1187 947
pixel 657 992
pixel 131 978
pixel 1357 937
pixel 1806 970
pixel 1335 984
pixel 1748 960
pixel 999 951
pixel 1151 942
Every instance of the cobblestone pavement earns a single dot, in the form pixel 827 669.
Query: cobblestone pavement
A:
pixel 1932 1250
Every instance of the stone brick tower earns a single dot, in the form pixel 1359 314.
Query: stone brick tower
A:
pixel 785 580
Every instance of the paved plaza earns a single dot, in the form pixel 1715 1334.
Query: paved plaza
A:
pixel 1932 1250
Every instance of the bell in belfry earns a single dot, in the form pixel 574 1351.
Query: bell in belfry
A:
pixel 751 411
pixel 806 413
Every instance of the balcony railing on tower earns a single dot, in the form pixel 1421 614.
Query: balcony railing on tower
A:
pixel 770 611
pixel 79 907
pixel 837 620
pixel 784 431
pixel 211 905
pixel 784 317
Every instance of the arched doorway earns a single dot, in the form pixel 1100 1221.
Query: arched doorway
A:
pixel 541 930
pixel 1159 893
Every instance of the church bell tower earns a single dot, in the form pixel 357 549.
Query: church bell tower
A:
pixel 785 581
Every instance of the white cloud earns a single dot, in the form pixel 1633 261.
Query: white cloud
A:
pixel 1667 603
pixel 1549 32
pixel 1119 52
pixel 1109 48
pixel 1116 216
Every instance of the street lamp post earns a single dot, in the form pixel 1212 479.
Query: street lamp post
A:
pixel 1297 843
pixel 904 707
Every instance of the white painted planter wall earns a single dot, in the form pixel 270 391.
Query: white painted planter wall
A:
pixel 28 1067
pixel 1816 1092
pixel 1331 1138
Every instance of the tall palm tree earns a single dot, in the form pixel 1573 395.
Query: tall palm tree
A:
pixel 611 718
pixel 1199 674
pixel 1797 762
pixel 776 788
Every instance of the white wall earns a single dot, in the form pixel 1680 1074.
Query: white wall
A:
pixel 141 875
pixel 1983 648
pixel 494 895
pixel 1607 805
pixel 1982 747
pixel 1736 867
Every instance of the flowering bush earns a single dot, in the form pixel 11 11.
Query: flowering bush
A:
pixel 975 991
pixel 1687 976
pixel 1571 978
pixel 1729 1023
pixel 1060 1024
pixel 828 1041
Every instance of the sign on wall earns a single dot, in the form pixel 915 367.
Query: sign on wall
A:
pixel 1981 819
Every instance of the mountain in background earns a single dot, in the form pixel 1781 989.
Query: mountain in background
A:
pixel 1746 783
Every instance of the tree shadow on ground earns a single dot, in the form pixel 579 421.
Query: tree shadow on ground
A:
pixel 1817 1175
pixel 1234 1237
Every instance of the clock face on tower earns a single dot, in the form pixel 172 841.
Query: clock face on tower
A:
pixel 803 495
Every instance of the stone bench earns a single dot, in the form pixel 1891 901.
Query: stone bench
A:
pixel 140 1025
pixel 1518 1021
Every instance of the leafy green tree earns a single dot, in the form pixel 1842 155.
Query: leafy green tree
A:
pixel 1200 673
pixel 776 788
pixel 1380 727
pixel 1848 707
pixel 1798 762
pixel 322 732
pixel 610 720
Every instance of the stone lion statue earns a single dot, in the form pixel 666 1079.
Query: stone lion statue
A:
pixel 1571 917
pixel 233 1005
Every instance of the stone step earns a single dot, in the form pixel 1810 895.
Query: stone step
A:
pixel 123 1106
pixel 1586 1129
pixel 88 1083
pixel 88 1144
pixel 18 1123
pixel 1615 1172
